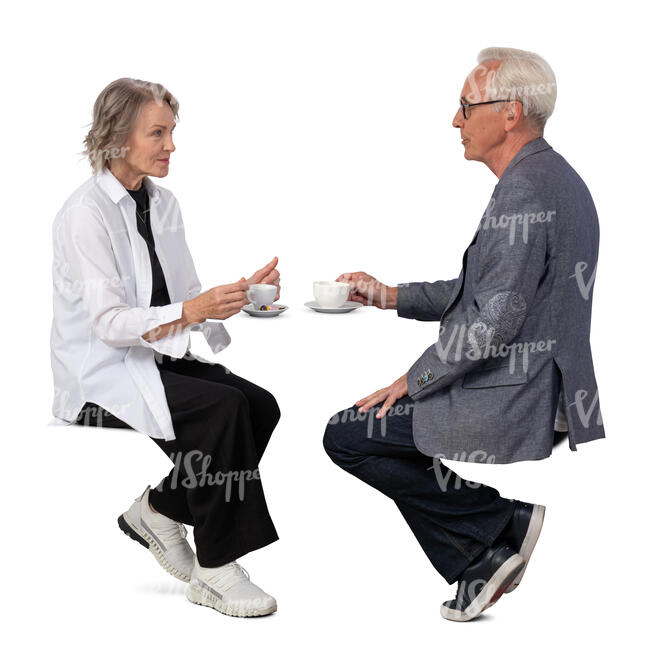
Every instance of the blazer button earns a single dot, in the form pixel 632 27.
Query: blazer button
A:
pixel 419 381
pixel 430 375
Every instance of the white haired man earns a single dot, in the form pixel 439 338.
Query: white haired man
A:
pixel 513 346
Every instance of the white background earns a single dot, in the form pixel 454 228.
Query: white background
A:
pixel 319 132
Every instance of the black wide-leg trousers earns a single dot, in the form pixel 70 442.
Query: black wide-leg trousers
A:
pixel 222 424
pixel 453 519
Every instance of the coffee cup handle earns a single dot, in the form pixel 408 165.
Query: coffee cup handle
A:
pixel 248 296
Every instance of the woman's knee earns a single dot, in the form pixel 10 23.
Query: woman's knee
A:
pixel 271 408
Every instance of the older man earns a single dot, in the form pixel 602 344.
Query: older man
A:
pixel 513 346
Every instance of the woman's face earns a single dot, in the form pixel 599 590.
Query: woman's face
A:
pixel 149 144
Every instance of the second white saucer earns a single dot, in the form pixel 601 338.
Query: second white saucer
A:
pixel 347 306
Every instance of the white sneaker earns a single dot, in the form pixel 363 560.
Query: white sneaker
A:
pixel 229 590
pixel 163 536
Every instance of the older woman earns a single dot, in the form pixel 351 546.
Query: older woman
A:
pixel 126 296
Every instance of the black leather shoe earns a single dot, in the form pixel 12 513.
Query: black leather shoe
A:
pixel 483 582
pixel 522 533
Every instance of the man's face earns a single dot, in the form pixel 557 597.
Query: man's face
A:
pixel 483 129
pixel 150 142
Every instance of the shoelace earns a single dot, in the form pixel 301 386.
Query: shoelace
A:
pixel 228 575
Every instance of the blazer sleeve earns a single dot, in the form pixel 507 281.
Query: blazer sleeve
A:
pixel 424 301
pixel 509 271
pixel 93 272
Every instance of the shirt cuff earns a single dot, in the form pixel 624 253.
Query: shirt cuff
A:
pixel 174 344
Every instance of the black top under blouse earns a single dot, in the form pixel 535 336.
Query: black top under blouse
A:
pixel 159 293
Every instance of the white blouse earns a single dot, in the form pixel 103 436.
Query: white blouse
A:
pixel 102 289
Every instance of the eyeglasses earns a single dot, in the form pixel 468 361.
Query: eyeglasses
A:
pixel 464 107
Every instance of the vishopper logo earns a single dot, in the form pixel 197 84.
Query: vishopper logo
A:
pixel 60 404
pixel 167 220
pixel 159 357
pixel 353 415
pixel 108 153
pixel 157 90
pixel 511 221
pixel 194 469
pixel 61 408
pixel 584 287
pixel 84 287
pixel 585 408
pixel 492 92
pixel 444 474
pixel 97 414
pixel 466 345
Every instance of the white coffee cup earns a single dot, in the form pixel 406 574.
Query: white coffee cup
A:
pixel 331 294
pixel 261 294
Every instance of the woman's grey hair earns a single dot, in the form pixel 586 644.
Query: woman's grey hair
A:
pixel 117 109
pixel 526 77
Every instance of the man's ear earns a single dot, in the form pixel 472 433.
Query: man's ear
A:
pixel 513 114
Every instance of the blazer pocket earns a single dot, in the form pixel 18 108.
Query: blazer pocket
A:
pixel 499 376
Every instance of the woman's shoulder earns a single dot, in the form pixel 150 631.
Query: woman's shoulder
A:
pixel 85 202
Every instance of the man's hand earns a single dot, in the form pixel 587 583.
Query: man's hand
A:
pixel 267 275
pixel 387 395
pixel 369 291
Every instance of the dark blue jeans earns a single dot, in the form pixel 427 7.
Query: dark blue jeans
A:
pixel 453 519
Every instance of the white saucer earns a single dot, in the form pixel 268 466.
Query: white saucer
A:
pixel 347 306
pixel 251 311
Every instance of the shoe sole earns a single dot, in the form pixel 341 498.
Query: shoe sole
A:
pixel 491 592
pixel 200 597
pixel 142 537
pixel 528 545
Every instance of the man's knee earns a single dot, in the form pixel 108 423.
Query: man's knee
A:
pixel 339 435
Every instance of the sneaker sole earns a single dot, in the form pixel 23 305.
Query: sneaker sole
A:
pixel 202 597
pixel 491 592
pixel 528 545
pixel 142 537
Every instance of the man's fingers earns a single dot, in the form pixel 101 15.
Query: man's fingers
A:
pixel 390 400
pixel 355 297
pixel 376 397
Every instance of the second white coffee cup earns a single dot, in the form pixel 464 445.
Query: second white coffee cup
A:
pixel 331 294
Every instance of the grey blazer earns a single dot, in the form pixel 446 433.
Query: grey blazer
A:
pixel 514 326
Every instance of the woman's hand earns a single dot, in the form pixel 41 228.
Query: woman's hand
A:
pixel 369 291
pixel 267 275
pixel 220 302
pixel 387 395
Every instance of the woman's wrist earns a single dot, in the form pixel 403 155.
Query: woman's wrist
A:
pixel 192 313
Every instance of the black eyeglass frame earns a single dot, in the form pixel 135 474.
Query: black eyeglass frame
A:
pixel 494 101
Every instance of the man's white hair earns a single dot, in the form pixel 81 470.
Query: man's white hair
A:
pixel 526 77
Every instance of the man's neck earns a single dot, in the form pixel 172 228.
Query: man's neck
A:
pixel 502 157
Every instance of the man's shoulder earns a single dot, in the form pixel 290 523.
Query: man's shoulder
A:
pixel 543 172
